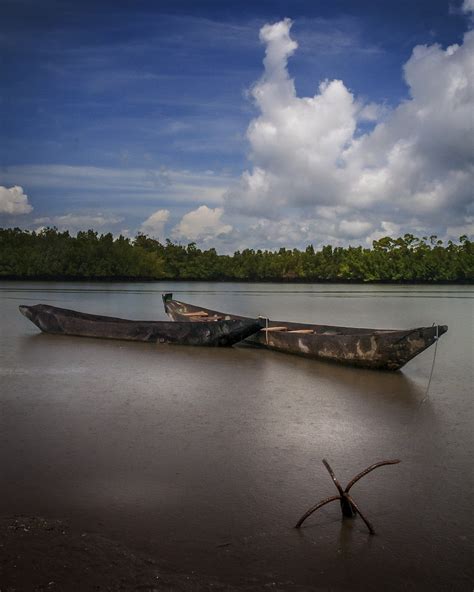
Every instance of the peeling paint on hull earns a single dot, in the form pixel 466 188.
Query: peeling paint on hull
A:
pixel 380 349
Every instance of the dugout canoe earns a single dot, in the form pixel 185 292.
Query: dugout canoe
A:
pixel 381 349
pixel 61 321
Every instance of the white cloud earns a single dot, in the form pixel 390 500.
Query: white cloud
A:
pixel 296 143
pixel 201 224
pixel 415 169
pixel 76 222
pixel 287 232
pixel 421 158
pixel 155 224
pixel 372 112
pixel 354 228
pixel 125 232
pixel 468 6
pixel 454 232
pixel 14 201
pixel 385 229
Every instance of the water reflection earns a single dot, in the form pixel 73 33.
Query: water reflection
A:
pixel 366 383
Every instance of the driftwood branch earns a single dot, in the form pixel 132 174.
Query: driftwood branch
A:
pixel 349 507
pixel 367 523
pixel 322 503
pixel 354 480
pixel 333 476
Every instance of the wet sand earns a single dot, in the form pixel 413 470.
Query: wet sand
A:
pixel 203 460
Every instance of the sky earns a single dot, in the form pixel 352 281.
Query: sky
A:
pixel 235 125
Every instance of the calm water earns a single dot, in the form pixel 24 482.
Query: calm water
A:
pixel 207 458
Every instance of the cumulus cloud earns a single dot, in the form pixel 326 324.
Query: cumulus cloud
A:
pixel 155 224
pixel 296 143
pixel 415 168
pixel 285 232
pixel 14 201
pixel 201 224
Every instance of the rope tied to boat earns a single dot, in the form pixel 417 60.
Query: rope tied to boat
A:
pixel 436 340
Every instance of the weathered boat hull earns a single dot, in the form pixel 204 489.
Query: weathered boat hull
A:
pixel 382 349
pixel 61 321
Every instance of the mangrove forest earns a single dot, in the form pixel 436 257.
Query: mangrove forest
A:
pixel 54 255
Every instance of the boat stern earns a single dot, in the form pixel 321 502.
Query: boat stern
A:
pixel 167 297
pixel 177 311
pixel 42 316
pixel 28 312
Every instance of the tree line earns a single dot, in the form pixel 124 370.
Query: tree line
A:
pixel 52 254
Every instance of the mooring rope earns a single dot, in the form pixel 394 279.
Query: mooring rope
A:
pixel 433 364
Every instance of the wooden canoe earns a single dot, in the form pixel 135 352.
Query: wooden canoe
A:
pixel 51 319
pixel 383 349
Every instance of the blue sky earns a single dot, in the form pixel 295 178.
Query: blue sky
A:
pixel 137 116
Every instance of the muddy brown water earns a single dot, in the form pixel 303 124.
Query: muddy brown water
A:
pixel 206 458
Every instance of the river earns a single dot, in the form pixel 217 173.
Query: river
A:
pixel 206 458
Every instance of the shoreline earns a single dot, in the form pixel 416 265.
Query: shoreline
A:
pixel 114 280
